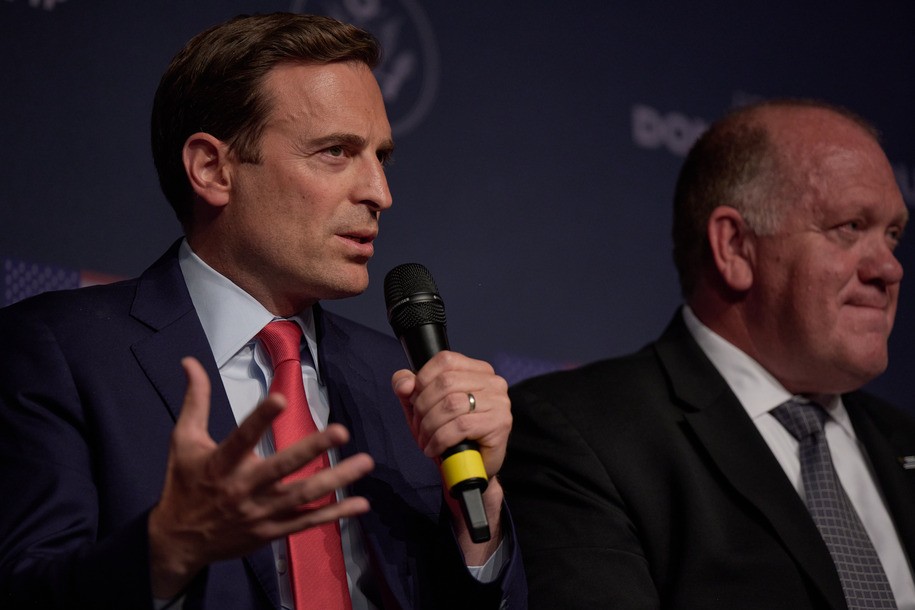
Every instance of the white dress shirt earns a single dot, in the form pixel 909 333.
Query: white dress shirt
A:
pixel 759 392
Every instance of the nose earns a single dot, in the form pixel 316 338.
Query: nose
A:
pixel 881 266
pixel 373 186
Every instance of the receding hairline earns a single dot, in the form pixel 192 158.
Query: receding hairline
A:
pixel 790 145
pixel 270 96
pixel 769 114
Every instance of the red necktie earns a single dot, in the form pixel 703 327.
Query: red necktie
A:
pixel 315 554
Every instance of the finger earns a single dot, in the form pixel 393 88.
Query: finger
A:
pixel 348 507
pixel 451 361
pixel 284 499
pixel 292 458
pixel 452 387
pixel 452 407
pixel 435 441
pixel 303 519
pixel 303 491
pixel 404 383
pixel 195 410
pixel 491 448
pixel 242 441
pixel 489 429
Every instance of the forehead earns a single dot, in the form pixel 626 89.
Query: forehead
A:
pixel 836 163
pixel 322 98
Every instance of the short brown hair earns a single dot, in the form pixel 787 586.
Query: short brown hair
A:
pixel 213 85
pixel 735 163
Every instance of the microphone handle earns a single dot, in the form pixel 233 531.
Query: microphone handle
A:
pixel 462 465
pixel 422 342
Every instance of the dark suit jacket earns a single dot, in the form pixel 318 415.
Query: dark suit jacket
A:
pixel 89 392
pixel 641 482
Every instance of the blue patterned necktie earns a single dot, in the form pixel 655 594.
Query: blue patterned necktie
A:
pixel 863 579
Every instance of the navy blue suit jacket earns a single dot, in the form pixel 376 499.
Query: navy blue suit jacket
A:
pixel 89 395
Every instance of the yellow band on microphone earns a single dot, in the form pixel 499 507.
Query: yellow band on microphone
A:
pixel 461 466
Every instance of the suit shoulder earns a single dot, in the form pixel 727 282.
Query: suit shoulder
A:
pixel 886 415
pixel 602 399
pixel 623 375
pixel 73 306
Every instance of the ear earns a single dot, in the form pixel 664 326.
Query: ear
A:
pixel 206 161
pixel 732 246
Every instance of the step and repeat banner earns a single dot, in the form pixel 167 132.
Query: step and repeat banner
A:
pixel 537 148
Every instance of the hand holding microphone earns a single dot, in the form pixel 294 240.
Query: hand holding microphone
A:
pixel 459 407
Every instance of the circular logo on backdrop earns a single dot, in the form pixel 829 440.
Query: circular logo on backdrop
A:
pixel 409 71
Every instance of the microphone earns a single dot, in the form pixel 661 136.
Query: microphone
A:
pixel 417 316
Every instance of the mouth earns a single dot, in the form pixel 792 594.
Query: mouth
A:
pixel 870 314
pixel 360 239
pixel 881 303
pixel 360 242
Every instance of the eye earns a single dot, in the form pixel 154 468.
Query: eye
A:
pixel 335 151
pixel 385 157
pixel 850 229
pixel 852 225
pixel 848 232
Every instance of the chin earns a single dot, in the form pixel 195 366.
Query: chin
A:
pixel 344 290
pixel 861 372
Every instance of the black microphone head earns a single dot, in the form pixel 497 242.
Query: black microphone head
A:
pixel 411 298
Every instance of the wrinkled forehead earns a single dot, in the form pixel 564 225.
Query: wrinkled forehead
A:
pixel 850 179
pixel 822 143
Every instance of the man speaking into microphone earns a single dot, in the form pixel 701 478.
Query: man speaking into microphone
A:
pixel 206 435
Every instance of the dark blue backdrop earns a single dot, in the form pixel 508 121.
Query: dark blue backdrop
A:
pixel 537 147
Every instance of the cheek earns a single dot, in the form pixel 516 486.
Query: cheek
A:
pixel 805 302
pixel 827 278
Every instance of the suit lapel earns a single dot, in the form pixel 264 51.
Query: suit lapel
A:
pixel 352 389
pixel 886 445
pixel 355 399
pixel 163 303
pixel 733 443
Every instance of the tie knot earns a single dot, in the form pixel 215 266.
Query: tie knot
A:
pixel 801 419
pixel 282 340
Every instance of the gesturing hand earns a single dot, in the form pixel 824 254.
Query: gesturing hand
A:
pixel 223 501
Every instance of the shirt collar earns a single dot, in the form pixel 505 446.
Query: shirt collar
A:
pixel 230 316
pixel 756 389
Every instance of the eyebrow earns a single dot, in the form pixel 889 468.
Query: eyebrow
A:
pixel 349 139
